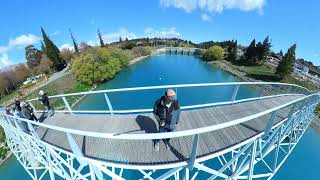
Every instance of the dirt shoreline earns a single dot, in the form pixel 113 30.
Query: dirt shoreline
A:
pixel 226 66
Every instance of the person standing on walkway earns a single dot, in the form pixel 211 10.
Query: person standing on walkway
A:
pixel 45 102
pixel 28 112
pixel 167 112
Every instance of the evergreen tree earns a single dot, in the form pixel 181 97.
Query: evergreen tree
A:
pixel 127 39
pixel 250 54
pixel 53 52
pixel 281 53
pixel 232 51
pixel 266 45
pixel 75 44
pixel 120 39
pixel 100 39
pixel 43 48
pixel 285 66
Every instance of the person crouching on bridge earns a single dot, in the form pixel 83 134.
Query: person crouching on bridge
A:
pixel 167 111
pixel 45 102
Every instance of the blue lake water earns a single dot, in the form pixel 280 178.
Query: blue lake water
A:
pixel 165 69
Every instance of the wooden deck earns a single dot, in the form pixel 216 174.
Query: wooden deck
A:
pixel 142 152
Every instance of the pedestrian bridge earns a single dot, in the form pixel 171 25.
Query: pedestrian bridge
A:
pixel 226 137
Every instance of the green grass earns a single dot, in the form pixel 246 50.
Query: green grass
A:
pixel 64 85
pixel 257 70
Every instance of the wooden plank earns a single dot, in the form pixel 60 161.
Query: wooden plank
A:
pixel 142 151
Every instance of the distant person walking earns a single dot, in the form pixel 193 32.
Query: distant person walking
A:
pixel 167 111
pixel 45 102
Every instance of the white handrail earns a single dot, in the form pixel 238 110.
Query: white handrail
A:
pixel 165 135
pixel 171 86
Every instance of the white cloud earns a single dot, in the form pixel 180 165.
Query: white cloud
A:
pixel 24 40
pixel 68 46
pixel 4 60
pixel 205 17
pixel 114 36
pixel 18 42
pixel 187 5
pixel 3 49
pixel 93 43
pixel 162 33
pixel 215 6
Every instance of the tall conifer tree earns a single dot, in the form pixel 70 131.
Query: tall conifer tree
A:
pixel 52 52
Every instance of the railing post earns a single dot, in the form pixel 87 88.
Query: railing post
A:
pixel 235 92
pixel 67 104
pixel 76 150
pixel 261 91
pixel 194 152
pixel 109 103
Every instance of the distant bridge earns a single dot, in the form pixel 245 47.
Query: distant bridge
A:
pixel 178 50
pixel 224 139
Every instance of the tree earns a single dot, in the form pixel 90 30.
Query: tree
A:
pixel 98 64
pixel 232 51
pixel 281 53
pixel 266 46
pixel 43 48
pixel 75 45
pixel 285 66
pixel 84 47
pixel 66 54
pixel 53 52
pixel 250 53
pixel 120 39
pixel 33 56
pixel 45 66
pixel 214 53
pixel 100 39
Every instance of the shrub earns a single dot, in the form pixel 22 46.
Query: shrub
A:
pixel 98 65
pixel 214 53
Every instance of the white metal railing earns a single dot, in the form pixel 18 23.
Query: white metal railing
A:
pixel 177 133
pixel 262 85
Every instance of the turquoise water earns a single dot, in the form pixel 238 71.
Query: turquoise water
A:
pixel 166 69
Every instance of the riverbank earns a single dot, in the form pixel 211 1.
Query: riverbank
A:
pixel 228 67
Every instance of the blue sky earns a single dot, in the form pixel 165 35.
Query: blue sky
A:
pixel 285 21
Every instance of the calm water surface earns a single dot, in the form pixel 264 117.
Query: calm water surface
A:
pixel 165 69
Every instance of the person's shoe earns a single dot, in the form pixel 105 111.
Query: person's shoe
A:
pixel 156 146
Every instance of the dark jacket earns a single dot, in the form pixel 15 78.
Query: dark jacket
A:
pixel 26 112
pixel 169 115
pixel 45 100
